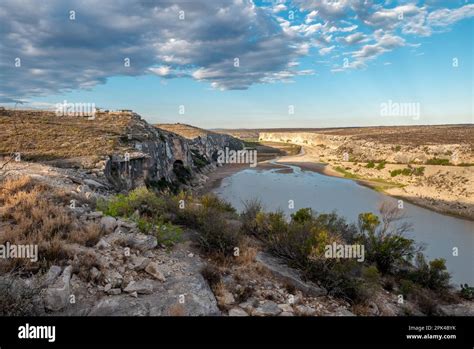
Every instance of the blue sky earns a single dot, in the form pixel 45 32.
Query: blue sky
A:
pixel 333 62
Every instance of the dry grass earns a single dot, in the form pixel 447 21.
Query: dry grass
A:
pixel 186 131
pixel 45 136
pixel 30 213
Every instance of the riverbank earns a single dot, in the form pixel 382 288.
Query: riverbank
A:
pixel 415 192
pixel 418 190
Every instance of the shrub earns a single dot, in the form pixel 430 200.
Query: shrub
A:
pixel 370 164
pixel 218 234
pixel 302 215
pixel 381 165
pixel 419 171
pixel 407 287
pixel 249 215
pixel 212 201
pixel 212 275
pixel 467 292
pixel 35 217
pixel 17 299
pixel 142 200
pixel 432 275
pixel 385 244
pixel 168 234
pixel 436 161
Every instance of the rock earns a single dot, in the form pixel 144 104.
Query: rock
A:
pixel 102 244
pixel 237 312
pixel 288 275
pixel 114 278
pixel 141 287
pixel 107 287
pixel 108 223
pixel 304 310
pixel 139 263
pixel 341 311
pixel 119 306
pixel 114 291
pixel 153 269
pixel 93 184
pixel 94 215
pixel 268 308
pixel 134 294
pixel 249 305
pixel 373 309
pixel 56 297
pixel 95 273
pixel 51 275
pixel 142 242
pixel 285 308
pixel 462 309
pixel 285 313
pixel 226 298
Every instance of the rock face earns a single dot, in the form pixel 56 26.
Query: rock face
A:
pixel 370 149
pixel 286 274
pixel 161 156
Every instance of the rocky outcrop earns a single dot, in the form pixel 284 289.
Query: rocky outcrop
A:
pixel 161 157
pixel 361 149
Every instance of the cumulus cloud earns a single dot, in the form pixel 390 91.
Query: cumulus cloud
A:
pixel 195 39
pixel 381 26
pixel 445 17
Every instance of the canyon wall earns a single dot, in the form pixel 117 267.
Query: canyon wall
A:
pixel 359 149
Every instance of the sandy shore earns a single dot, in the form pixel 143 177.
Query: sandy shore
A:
pixel 434 192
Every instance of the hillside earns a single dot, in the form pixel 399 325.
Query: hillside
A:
pixel 118 148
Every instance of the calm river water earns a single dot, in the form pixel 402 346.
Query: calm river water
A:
pixel 439 233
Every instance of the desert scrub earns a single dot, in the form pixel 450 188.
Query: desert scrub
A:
pixel 36 216
pixel 415 171
pixel 436 161
pixel 140 200
pixel 380 165
pixel 218 235
pixel 370 164
pixel 212 201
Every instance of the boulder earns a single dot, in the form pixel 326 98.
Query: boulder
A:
pixel 153 269
pixel 141 287
pixel 288 275
pixel 108 223
pixel 56 297
pixel 142 242
pixel 237 312
pixel 268 308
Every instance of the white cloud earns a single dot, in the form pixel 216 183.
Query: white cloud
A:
pixel 326 50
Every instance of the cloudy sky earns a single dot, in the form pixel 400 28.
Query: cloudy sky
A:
pixel 243 63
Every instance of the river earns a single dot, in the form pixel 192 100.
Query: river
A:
pixel 274 188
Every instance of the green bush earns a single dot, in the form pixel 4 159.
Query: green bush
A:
pixel 385 244
pixel 436 161
pixel 302 215
pixel 212 201
pixel 381 165
pixel 467 292
pixel 141 199
pixel 408 171
pixel 419 171
pixel 432 275
pixel 370 164
pixel 218 234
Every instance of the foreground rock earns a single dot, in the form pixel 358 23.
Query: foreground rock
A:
pixel 288 275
